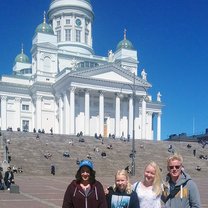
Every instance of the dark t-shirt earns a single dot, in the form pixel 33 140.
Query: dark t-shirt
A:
pixel 117 199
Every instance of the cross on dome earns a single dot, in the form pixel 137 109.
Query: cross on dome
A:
pixel 44 17
pixel 125 34
pixel 22 50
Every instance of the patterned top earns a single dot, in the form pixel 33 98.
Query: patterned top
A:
pixel 117 199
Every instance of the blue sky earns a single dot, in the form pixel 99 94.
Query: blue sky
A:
pixel 171 37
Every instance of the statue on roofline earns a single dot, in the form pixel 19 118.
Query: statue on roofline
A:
pixel 144 74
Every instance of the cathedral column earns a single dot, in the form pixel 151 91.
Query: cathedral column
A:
pixel 101 113
pixel 56 124
pixel 159 126
pixel 18 110
pixel 87 112
pixel 131 109
pixel 118 115
pixel 143 136
pixel 3 112
pixel 38 112
pixel 60 115
pixel 66 113
pixel 72 110
pixel 73 31
pixel 90 33
pixel 33 114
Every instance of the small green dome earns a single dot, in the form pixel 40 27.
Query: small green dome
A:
pixel 125 43
pixel 22 58
pixel 44 27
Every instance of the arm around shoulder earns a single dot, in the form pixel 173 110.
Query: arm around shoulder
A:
pixel 102 197
pixel 67 202
pixel 194 196
pixel 134 201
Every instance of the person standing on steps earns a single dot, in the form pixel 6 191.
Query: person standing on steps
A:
pixel 53 169
pixel 85 191
pixel 149 190
pixel 180 190
pixel 121 194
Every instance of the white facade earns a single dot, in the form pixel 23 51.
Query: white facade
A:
pixel 69 88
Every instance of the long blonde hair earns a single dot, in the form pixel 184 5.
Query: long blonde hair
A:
pixel 157 183
pixel 124 173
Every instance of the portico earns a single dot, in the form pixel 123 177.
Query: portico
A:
pixel 100 112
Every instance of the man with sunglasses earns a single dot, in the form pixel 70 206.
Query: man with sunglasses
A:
pixel 180 190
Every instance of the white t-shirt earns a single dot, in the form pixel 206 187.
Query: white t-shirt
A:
pixel 147 198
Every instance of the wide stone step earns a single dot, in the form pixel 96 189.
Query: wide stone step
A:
pixel 29 153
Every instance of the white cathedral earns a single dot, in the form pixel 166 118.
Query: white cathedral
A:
pixel 70 89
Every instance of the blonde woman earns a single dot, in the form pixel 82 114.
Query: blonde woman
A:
pixel 149 189
pixel 121 194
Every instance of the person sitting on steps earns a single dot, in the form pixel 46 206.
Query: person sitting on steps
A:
pixel 8 178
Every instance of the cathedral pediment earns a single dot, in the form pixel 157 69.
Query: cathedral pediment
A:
pixel 111 73
pixel 111 76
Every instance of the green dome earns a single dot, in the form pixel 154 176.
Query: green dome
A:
pixel 125 44
pixel 44 28
pixel 22 58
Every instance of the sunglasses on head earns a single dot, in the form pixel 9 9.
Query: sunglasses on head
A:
pixel 174 166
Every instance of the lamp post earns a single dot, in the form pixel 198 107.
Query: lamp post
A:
pixel 133 89
pixel 133 129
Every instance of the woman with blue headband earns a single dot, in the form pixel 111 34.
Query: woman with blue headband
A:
pixel 85 191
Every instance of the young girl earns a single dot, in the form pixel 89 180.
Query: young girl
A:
pixel 149 189
pixel 121 194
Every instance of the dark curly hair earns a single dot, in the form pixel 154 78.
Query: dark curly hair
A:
pixel 91 178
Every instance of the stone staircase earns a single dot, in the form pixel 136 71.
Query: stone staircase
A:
pixel 28 152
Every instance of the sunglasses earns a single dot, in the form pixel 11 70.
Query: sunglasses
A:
pixel 174 166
